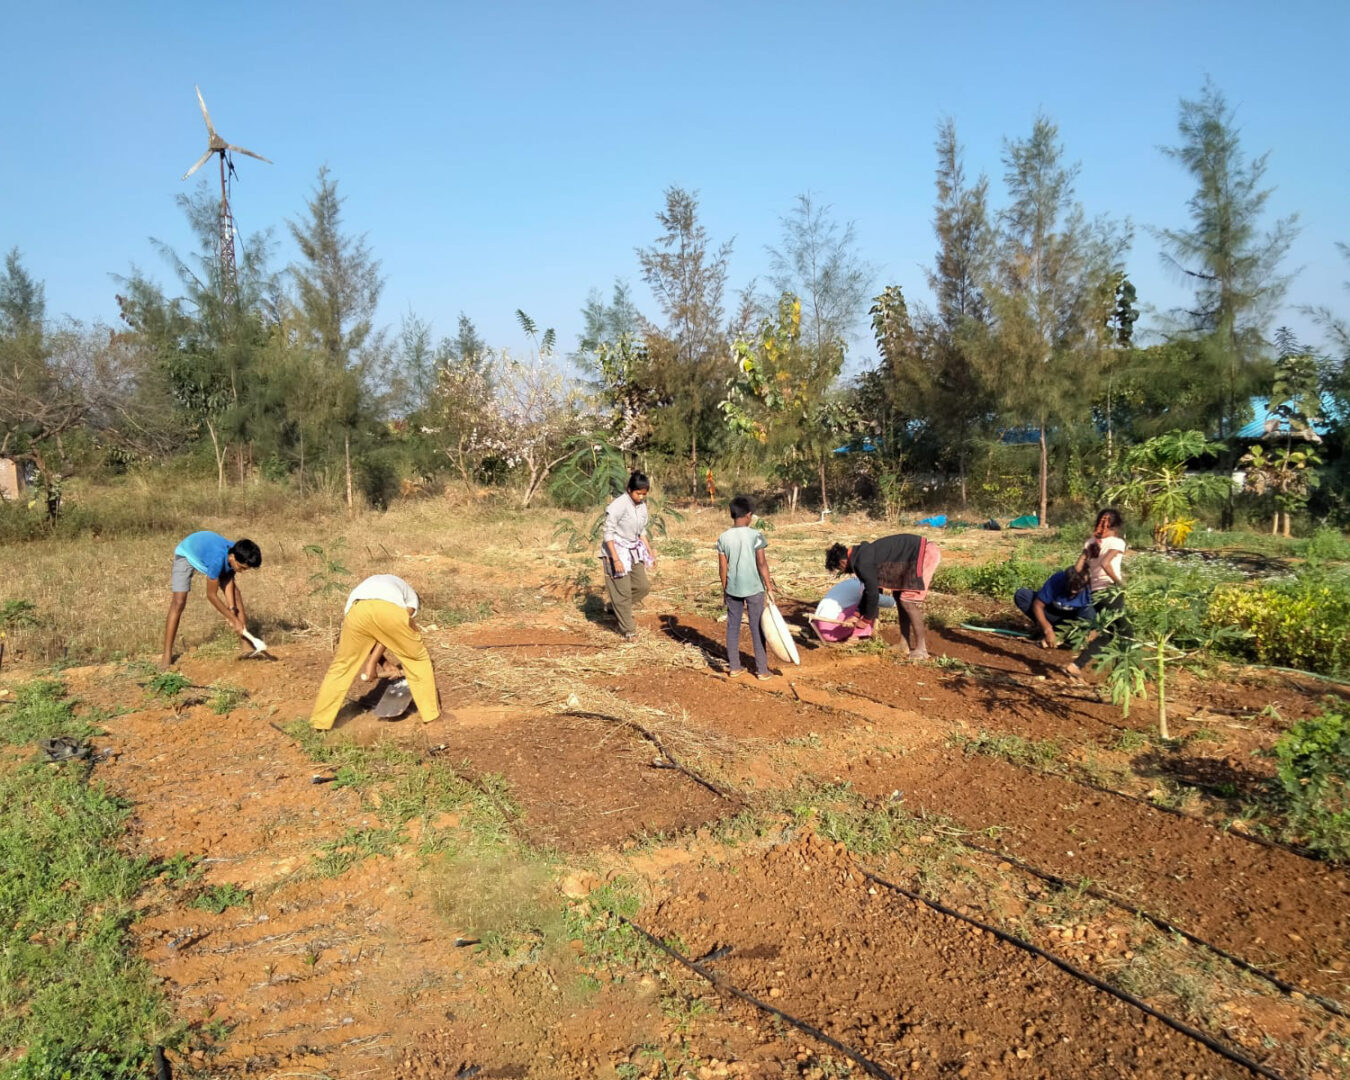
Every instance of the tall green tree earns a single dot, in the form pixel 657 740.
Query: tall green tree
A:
pixel 210 341
pixel 961 401
pixel 817 261
pixel 605 323
pixel 1224 252
pixel 691 353
pixel 1052 294
pixel 338 286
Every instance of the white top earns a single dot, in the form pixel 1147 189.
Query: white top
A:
pixel 845 595
pixel 1112 547
pixel 384 587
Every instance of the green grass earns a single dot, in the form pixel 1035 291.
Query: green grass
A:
pixel 41 710
pixel 1015 749
pixel 225 698
pixel 219 898
pixel 338 856
pixel 73 994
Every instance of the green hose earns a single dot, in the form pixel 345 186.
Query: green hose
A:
pixel 995 630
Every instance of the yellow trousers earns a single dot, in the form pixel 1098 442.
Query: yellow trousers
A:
pixel 370 621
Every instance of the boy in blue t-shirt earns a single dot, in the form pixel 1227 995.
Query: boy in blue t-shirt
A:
pixel 1063 597
pixel 744 569
pixel 210 554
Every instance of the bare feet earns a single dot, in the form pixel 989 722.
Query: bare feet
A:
pixel 918 654
pixel 164 663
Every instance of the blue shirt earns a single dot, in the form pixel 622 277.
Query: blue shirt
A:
pixel 208 552
pixel 1055 593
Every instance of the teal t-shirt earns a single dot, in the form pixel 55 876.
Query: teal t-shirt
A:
pixel 739 546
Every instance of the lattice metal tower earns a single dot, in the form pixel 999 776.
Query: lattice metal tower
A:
pixel 229 279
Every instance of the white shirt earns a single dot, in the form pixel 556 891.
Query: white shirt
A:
pixel 383 587
pixel 1112 547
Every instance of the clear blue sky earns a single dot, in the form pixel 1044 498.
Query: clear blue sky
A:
pixel 505 155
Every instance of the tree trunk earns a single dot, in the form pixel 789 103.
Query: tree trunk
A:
pixel 302 461
pixel 220 456
pixel 693 458
pixel 961 471
pixel 347 456
pixel 824 498
pixel 1045 478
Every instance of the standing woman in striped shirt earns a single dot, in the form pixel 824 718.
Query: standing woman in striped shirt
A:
pixel 625 554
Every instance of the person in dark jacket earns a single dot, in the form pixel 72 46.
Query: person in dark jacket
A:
pixel 903 565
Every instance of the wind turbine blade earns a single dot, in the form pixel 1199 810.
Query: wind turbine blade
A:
pixel 199 164
pixel 250 153
pixel 205 115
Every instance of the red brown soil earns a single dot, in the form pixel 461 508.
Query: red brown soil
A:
pixel 357 974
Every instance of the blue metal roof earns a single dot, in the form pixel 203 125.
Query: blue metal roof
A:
pixel 1268 423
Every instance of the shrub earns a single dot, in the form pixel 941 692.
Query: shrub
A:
pixel 1304 624
pixel 1325 544
pixel 998 579
pixel 1314 777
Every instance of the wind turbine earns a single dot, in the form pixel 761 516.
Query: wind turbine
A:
pixel 229 284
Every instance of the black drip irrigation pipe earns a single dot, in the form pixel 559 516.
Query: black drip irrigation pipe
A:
pixel 868 1066
pixel 1252 838
pixel 667 759
pixel 1092 980
pixel 1162 924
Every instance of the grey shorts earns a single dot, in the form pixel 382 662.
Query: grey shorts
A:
pixel 182 574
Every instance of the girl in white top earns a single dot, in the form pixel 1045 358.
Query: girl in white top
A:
pixel 1103 557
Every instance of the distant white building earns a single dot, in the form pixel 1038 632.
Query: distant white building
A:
pixel 11 480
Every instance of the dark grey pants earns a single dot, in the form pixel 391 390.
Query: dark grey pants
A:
pixel 754 607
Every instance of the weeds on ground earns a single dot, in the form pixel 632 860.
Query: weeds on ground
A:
pixel 219 898
pixel 66 898
pixel 225 698
pixel 41 710
pixel 337 856
pixel 1040 754
pixel 459 615
pixel 18 614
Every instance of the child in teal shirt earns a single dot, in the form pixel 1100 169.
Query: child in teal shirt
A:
pixel 744 569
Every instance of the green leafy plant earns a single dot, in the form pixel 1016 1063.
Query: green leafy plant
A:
pixel 329 577
pixel 226 698
pixel 17 614
pixel 1303 623
pixel 218 898
pixel 1171 626
pixel 1314 777
pixel 1162 490
pixel 168 685
pixel 594 473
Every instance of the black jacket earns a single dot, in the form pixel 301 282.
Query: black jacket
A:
pixel 891 562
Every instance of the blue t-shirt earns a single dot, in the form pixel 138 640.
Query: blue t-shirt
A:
pixel 739 545
pixel 208 552
pixel 1055 593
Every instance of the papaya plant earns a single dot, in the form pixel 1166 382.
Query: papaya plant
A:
pixel 1159 487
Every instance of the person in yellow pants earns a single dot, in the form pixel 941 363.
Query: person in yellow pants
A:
pixel 380 611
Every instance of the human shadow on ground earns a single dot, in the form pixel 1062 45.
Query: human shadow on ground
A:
pixel 1228 778
pixel 989 643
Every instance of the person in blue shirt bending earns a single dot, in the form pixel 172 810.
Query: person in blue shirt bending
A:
pixel 221 561
pixel 1063 598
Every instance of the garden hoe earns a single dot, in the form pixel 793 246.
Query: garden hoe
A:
pixel 259 648
pixel 395 700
